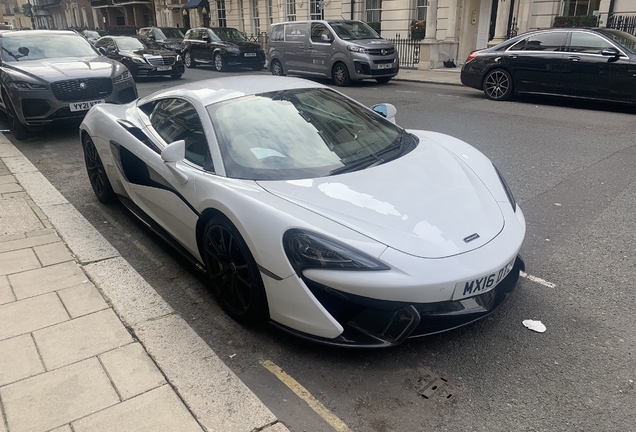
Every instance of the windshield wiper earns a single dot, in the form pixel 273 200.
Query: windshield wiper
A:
pixel 374 159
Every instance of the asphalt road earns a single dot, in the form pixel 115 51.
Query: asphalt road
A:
pixel 571 167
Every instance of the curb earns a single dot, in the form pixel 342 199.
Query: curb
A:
pixel 211 391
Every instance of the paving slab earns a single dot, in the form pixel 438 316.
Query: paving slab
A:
pixel 65 428
pixel 6 294
pixel 31 314
pixel 19 359
pixel 3 427
pixel 9 188
pixel 4 179
pixel 78 339
pixel 18 261
pixel 19 164
pixel 82 299
pixel 41 191
pixel 56 398
pixel 7 149
pixel 131 370
pixel 23 243
pixel 159 410
pixel 216 396
pixel 278 427
pixel 47 279
pixel 53 253
pixel 17 217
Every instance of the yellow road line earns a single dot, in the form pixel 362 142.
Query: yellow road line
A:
pixel 302 393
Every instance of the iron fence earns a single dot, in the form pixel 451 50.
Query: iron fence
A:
pixel 408 51
pixel 261 38
pixel 626 23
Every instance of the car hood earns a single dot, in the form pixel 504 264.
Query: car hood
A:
pixel 171 41
pixel 426 203
pixel 372 43
pixel 244 46
pixel 65 68
pixel 149 52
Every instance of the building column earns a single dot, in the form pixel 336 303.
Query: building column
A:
pixel 501 26
pixel 431 21
pixel 451 29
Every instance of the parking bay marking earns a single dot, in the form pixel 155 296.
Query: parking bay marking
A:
pixel 302 393
pixel 537 280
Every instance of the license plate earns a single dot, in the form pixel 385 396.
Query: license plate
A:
pixel 164 68
pixel 385 66
pixel 250 54
pixel 482 284
pixel 83 106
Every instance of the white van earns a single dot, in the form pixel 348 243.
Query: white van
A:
pixel 341 50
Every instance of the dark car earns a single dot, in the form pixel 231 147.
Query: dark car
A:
pixel 221 47
pixel 597 63
pixel 92 35
pixel 144 57
pixel 168 37
pixel 50 76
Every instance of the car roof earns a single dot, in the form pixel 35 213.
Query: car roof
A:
pixel 215 90
pixel 33 33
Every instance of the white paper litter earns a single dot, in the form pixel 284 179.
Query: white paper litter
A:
pixel 534 325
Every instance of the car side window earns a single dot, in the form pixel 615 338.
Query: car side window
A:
pixel 553 41
pixel 317 30
pixel 278 33
pixel 177 119
pixel 588 43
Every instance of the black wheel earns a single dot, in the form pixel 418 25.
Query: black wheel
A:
pixel 340 75
pixel 19 130
pixel 96 174
pixel 277 68
pixel 233 273
pixel 383 80
pixel 175 76
pixel 258 67
pixel 219 63
pixel 188 60
pixel 498 85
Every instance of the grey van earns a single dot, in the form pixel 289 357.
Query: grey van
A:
pixel 341 50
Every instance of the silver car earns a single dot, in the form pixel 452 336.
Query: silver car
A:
pixel 50 76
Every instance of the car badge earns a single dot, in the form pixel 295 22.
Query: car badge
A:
pixel 383 51
pixel 83 85
pixel 471 238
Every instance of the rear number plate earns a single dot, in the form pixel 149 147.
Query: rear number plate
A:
pixel 482 284
pixel 250 54
pixel 164 68
pixel 385 66
pixel 83 106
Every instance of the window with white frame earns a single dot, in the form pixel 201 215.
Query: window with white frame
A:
pixel 580 7
pixel 220 13
pixel 256 20
pixel 291 10
pixel 316 9
pixel 374 10
pixel 270 11
pixel 420 10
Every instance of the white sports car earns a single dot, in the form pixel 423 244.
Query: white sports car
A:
pixel 311 211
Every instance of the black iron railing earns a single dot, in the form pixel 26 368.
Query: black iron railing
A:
pixel 260 38
pixel 626 23
pixel 408 51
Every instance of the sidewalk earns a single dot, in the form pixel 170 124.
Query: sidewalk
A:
pixel 437 76
pixel 86 345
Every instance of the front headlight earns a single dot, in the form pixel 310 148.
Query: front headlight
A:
pixel 509 194
pixel 233 49
pixel 178 57
pixel 139 60
pixel 357 48
pixel 23 85
pixel 306 249
pixel 124 76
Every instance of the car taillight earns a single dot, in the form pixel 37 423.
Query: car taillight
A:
pixel 471 56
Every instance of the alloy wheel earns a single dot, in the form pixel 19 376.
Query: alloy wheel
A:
pixel 497 85
pixel 96 173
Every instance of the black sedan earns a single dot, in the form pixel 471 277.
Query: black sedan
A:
pixel 597 64
pixel 221 47
pixel 142 56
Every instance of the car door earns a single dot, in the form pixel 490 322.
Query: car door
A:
pixel 166 198
pixel 537 63
pixel 319 49
pixel 295 53
pixel 197 45
pixel 594 72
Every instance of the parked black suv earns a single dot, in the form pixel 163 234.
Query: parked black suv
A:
pixel 221 47
pixel 168 37
pixel 142 56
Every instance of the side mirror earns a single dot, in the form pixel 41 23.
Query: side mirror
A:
pixel 386 110
pixel 172 154
pixel 325 38
pixel 102 50
pixel 610 52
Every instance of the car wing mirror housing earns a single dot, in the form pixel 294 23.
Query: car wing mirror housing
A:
pixel 325 38
pixel 172 154
pixel 386 110
pixel 610 52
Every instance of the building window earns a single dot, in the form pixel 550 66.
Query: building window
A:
pixel 291 10
pixel 270 11
pixel 580 7
pixel 374 11
pixel 220 13
pixel 316 9
pixel 241 16
pixel 257 21
pixel 420 10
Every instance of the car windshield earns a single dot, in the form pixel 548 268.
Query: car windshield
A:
pixel 229 35
pixel 625 40
pixel 25 47
pixel 171 33
pixel 91 34
pixel 300 134
pixel 133 44
pixel 353 30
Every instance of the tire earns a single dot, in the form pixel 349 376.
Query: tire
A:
pixel 20 131
pixel 96 173
pixel 498 85
pixel 277 68
pixel 259 67
pixel 188 60
pixel 340 75
pixel 383 80
pixel 233 273
pixel 176 76
pixel 219 63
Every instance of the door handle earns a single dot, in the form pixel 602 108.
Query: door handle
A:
pixel 513 56
pixel 574 58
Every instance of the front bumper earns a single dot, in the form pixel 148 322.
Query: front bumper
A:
pixel 147 70
pixel 233 59
pixel 371 323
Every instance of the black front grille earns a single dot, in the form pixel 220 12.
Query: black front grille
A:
pixel 387 51
pixel 383 61
pixel 161 61
pixel 35 107
pixel 79 90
